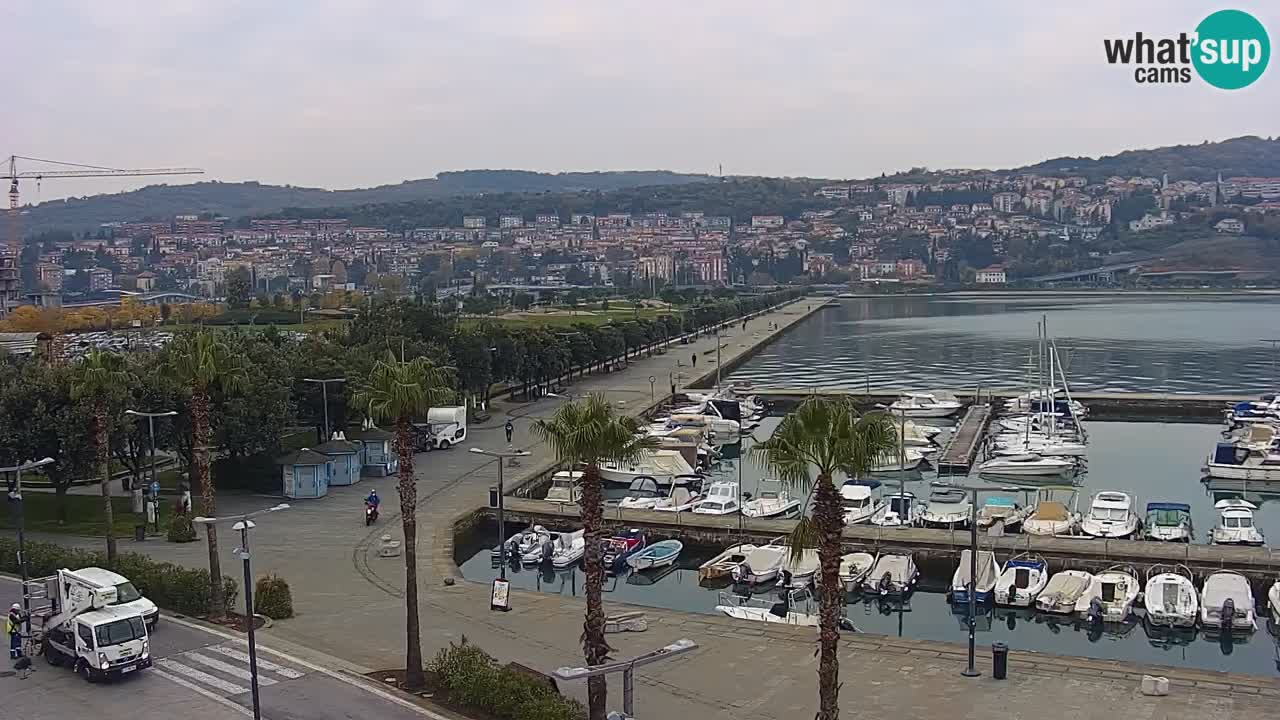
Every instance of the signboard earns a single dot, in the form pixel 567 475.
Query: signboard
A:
pixel 500 597
pixel 155 489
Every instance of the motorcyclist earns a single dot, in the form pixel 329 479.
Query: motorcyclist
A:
pixel 372 501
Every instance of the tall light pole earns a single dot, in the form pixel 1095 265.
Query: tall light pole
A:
pixel 502 527
pixel 324 392
pixel 151 431
pixel 244 523
pixel 16 497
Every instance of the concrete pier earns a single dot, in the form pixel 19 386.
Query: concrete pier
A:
pixel 962 447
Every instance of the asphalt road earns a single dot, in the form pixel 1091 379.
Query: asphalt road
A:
pixel 198 675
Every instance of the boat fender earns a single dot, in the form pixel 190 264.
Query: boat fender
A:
pixel 1228 614
pixel 1095 611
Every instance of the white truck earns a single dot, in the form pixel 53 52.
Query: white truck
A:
pixel 82 623
pixel 448 426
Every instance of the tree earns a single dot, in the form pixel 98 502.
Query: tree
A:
pixel 587 431
pixel 98 380
pixel 239 287
pixel 829 436
pixel 202 363
pixel 397 391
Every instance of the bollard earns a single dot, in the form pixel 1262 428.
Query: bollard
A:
pixel 999 660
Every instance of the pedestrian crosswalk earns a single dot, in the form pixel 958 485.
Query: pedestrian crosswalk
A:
pixel 223 669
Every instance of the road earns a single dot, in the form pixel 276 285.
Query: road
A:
pixel 199 674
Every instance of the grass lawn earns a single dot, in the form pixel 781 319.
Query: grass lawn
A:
pixel 84 515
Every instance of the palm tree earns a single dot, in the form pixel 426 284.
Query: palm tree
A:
pixel 202 362
pixel 587 431
pixel 98 377
pixel 397 391
pixel 829 436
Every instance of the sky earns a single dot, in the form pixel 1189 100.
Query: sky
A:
pixel 354 93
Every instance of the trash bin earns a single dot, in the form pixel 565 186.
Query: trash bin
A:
pixel 999 660
pixel 493 496
pixel 140 532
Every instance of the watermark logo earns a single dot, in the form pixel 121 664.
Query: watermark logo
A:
pixel 1229 50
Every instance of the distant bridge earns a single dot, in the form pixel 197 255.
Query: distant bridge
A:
pixel 1103 273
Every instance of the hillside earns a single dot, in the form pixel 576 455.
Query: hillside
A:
pixel 1249 155
pixel 252 198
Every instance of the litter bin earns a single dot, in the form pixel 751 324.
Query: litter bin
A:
pixel 999 660
pixel 493 496
pixel 140 532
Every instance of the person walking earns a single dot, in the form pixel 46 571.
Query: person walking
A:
pixel 695 359
pixel 510 430
pixel 13 627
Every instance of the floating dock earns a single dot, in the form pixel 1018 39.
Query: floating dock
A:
pixel 963 445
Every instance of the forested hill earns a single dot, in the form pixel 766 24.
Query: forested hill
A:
pixel 251 198
pixel 1249 155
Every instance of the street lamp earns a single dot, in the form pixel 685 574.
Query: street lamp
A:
pixel 244 523
pixel 502 528
pixel 15 496
pixel 151 431
pixel 324 391
pixel 627 668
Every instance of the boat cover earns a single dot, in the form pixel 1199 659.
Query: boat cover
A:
pixel 987 571
pixel 1051 511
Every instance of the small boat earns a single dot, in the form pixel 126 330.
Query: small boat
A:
pixel 933 405
pixel 1226 603
pixel 857 501
pixel 1063 590
pixel 894 574
pixel 1027 465
pixel 1046 446
pixel 983 583
pixel 762 564
pixel 619 547
pixel 774 502
pixel 854 568
pixel 915 435
pixel 656 555
pixel 721 499
pixel 1170 597
pixel 1000 509
pixel 782 611
pixel 798 572
pixel 907 459
pixel 682 496
pixel 723 564
pixel 1051 516
pixel 1021 581
pixel 524 541
pixel 1241 461
pixel 566 487
pixel 642 494
pixel 900 509
pixel 1273 602
pixel 567 549
pixel 1110 515
pixel 948 507
pixel 1110 596
pixel 662 466
pixel 1168 522
pixel 1235 524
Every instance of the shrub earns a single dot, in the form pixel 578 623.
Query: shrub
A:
pixel 475 680
pixel 181 529
pixel 272 597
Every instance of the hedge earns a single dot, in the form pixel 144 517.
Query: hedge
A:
pixel 272 597
pixel 475 680
pixel 170 586
pixel 181 529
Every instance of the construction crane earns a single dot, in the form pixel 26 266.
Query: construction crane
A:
pixel 9 268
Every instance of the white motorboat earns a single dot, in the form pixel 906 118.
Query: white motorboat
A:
pixel 984 582
pixel 907 459
pixel 1048 447
pixel 1000 509
pixel 723 564
pixel 661 465
pixel 567 549
pixel 916 435
pixel 1027 465
pixel 947 508
pixel 1273 602
pixel 894 574
pixel 1051 516
pixel 1232 461
pixel 1226 603
pixel 1170 597
pixel 898 510
pixel 798 572
pixel 783 611
pixel 774 501
pixel 524 542
pixel 1110 596
pixel 1042 425
pixel 566 487
pixel 857 501
pixel 762 564
pixel 721 499
pixel 657 555
pixel 854 568
pixel 1063 590
pixel 1235 524
pixel 642 494
pixel 1110 515
pixel 722 417
pixel 682 496
pixel 1168 522
pixel 933 404
pixel 1021 581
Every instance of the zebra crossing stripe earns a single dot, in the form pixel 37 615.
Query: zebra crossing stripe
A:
pixel 267 665
pixel 200 676
pixel 227 668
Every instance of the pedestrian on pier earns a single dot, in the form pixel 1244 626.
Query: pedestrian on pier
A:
pixel 510 429
pixel 695 359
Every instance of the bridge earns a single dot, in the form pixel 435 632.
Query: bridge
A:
pixel 1102 273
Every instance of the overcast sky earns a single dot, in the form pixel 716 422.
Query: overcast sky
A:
pixel 345 93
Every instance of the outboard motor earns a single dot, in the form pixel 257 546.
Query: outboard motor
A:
pixel 886 583
pixel 784 581
pixel 1095 611
pixel 1228 615
pixel 548 549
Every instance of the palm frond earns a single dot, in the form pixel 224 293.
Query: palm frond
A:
pixel 398 390
pixel 588 431
pixel 804 536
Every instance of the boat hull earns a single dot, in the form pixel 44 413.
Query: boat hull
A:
pixel 1238 472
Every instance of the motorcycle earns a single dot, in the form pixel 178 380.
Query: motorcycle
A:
pixel 370 514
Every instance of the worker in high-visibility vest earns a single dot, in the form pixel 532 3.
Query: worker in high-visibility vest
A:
pixel 13 626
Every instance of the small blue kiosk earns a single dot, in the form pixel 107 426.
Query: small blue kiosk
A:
pixel 306 474
pixel 379 457
pixel 346 459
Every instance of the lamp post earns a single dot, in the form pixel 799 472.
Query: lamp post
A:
pixel 502 528
pixel 324 391
pixel 627 668
pixel 151 432
pixel 16 496
pixel 244 523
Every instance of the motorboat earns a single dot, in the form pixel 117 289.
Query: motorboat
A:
pixel 1273 602
pixel 642 494
pixel 1235 524
pixel 1111 596
pixel 931 405
pixel 774 501
pixel 620 547
pixel 783 611
pixel 1110 515
pixel 854 568
pixel 656 555
pixel 762 564
pixel 798 572
pixel 566 486
pixel 983 582
pixel 1233 461
pixel 1265 408
pixel 1226 603
pixel 1063 590
pixel 1050 516
pixel 661 465
pixel 1021 581
pixel 682 496
pixel 894 574
pixel 857 501
pixel 1168 522
pixel 1001 509
pixel 898 510
pixel 724 418
pixel 524 542
pixel 1043 424
pixel 912 434
pixel 906 459
pixel 1045 446
pixel 948 507
pixel 723 564
pixel 560 550
pixel 1170 597
pixel 1027 465
pixel 721 499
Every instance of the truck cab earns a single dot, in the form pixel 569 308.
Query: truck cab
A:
pixel 100 644
pixel 447 426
